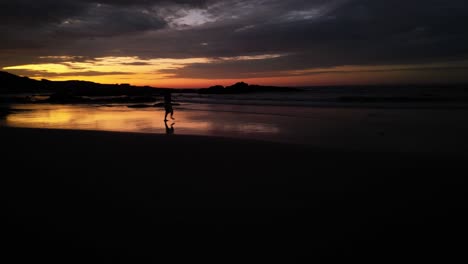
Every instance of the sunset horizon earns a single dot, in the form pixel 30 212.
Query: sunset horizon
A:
pixel 192 44
pixel 267 81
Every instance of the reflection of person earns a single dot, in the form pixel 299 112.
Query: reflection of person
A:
pixel 169 130
pixel 168 105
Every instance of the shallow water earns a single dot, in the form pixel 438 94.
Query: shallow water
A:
pixel 121 118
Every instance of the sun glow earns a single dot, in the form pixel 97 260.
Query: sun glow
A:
pixel 163 72
pixel 109 65
pixel 128 69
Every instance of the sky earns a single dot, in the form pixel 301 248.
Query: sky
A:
pixel 185 44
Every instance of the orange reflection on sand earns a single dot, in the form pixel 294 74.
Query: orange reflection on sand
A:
pixel 189 120
pixel 108 118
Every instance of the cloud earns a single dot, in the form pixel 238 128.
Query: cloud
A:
pixel 45 74
pixel 65 65
pixel 40 24
pixel 107 21
pixel 308 34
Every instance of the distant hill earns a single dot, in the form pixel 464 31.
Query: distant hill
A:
pixel 11 84
pixel 83 92
pixel 242 87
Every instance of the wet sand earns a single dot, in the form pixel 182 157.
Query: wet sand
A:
pixel 84 196
pixel 423 130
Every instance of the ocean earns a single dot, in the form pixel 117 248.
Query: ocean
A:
pixel 415 119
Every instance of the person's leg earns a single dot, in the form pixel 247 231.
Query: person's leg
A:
pixel 165 116
pixel 172 114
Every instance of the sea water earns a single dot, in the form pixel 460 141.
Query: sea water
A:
pixel 316 117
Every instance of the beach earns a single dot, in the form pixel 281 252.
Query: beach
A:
pixel 74 196
pixel 216 131
pixel 389 127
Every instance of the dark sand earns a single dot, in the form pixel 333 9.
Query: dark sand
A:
pixel 84 196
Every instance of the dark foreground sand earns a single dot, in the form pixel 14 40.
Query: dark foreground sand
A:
pixel 82 196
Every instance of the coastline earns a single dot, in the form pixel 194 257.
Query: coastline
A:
pixel 81 195
pixel 418 131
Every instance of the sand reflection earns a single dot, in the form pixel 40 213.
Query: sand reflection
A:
pixel 147 120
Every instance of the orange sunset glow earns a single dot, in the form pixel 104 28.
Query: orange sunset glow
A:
pixel 154 72
pixel 196 44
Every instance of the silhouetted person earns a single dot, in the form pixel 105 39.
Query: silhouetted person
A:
pixel 169 130
pixel 168 105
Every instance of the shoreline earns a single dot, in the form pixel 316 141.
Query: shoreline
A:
pixel 418 131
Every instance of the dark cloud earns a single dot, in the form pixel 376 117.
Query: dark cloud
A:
pixel 146 2
pixel 137 63
pixel 277 67
pixel 107 21
pixel 350 33
pixel 35 13
pixel 20 13
pixel 37 24
pixel 314 33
